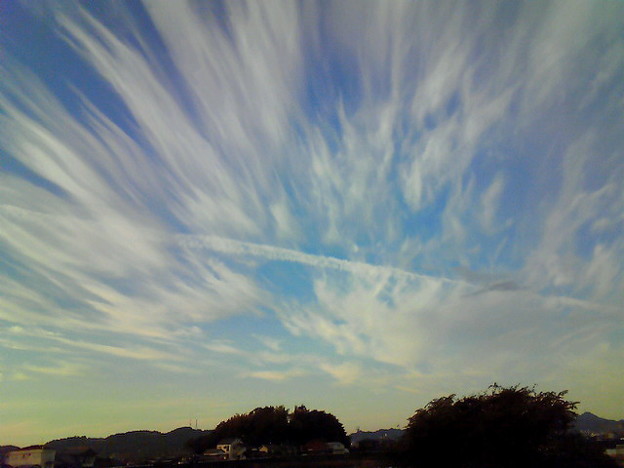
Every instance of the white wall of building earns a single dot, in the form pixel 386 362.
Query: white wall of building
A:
pixel 31 457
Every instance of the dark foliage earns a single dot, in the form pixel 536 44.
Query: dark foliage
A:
pixel 275 425
pixel 501 427
pixel 306 425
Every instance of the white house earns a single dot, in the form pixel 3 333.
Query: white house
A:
pixel 31 457
pixel 233 448
pixel 337 448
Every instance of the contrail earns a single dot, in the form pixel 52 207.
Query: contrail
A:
pixel 234 247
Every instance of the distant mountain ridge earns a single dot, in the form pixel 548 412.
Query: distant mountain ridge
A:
pixel 390 434
pixel 134 445
pixel 589 422
pixel 142 445
pixel 586 422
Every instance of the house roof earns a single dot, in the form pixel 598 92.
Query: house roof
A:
pixel 229 440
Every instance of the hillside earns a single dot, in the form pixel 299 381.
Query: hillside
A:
pixel 135 445
pixel 143 445
pixel 381 434
pixel 4 449
pixel 586 422
pixel 589 422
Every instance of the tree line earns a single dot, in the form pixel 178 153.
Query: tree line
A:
pixel 275 425
pixel 501 427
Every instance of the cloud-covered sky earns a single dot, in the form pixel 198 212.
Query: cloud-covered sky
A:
pixel 358 206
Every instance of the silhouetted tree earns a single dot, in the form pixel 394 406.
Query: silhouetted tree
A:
pixel 268 425
pixel 275 425
pixel 306 425
pixel 501 427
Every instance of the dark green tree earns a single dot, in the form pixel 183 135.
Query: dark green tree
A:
pixel 501 427
pixel 268 425
pixel 306 425
pixel 275 425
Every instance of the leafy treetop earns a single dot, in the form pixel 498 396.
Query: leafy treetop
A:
pixel 501 427
pixel 276 425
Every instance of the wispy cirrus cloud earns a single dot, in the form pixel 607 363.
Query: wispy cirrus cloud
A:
pixel 420 190
pixel 64 370
pixel 274 375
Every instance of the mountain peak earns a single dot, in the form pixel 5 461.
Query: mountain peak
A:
pixel 589 422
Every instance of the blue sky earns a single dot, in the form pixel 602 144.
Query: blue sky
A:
pixel 358 206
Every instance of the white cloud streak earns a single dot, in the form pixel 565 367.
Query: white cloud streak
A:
pixel 268 252
pixel 380 146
